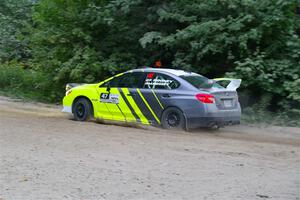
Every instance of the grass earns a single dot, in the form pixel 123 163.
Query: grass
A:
pixel 26 84
pixel 251 115
pixel 25 96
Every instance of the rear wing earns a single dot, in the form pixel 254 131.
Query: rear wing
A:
pixel 234 84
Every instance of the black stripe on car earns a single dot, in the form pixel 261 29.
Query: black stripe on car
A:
pixel 152 101
pixel 142 106
pixel 129 105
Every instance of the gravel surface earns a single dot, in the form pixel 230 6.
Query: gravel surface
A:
pixel 46 155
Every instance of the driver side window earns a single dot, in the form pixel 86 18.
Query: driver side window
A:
pixel 113 82
pixel 127 80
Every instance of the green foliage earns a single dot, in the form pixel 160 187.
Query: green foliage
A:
pixel 210 36
pixel 16 80
pixel 278 76
pixel 70 41
pixel 14 16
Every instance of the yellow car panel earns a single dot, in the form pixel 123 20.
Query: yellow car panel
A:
pixel 104 110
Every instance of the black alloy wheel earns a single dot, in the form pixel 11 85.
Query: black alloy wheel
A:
pixel 82 110
pixel 173 118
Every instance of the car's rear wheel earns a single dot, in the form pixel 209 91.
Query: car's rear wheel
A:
pixel 82 109
pixel 173 118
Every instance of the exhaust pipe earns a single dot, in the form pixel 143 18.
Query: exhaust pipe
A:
pixel 214 125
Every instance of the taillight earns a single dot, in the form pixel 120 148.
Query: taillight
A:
pixel 205 98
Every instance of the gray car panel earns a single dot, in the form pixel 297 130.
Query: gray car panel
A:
pixel 197 114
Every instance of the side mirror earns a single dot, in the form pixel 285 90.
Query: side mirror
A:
pixel 108 87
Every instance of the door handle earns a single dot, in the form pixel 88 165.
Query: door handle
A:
pixel 166 95
pixel 131 95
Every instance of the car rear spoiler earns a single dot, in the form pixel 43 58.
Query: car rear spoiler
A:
pixel 234 84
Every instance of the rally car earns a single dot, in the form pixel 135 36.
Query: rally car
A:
pixel 173 99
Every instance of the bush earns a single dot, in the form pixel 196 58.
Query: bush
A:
pixel 257 109
pixel 26 83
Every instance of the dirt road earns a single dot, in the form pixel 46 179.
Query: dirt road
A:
pixel 45 155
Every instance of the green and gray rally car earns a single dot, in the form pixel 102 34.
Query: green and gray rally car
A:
pixel 166 97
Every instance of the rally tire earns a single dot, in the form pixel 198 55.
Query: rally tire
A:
pixel 82 109
pixel 173 118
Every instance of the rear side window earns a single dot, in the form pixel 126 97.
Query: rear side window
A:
pixel 199 81
pixel 160 81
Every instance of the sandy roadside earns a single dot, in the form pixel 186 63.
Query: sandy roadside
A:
pixel 45 155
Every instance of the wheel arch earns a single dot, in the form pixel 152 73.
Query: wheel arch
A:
pixel 184 115
pixel 84 97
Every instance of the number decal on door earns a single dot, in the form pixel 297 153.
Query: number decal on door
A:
pixel 109 98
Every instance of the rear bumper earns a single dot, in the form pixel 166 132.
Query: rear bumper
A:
pixel 198 122
pixel 208 115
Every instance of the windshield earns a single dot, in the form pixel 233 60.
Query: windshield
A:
pixel 200 81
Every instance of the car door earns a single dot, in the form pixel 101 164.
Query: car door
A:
pixel 108 100
pixel 116 98
pixel 156 93
pixel 128 88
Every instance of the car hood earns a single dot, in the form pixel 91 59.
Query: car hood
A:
pixel 79 85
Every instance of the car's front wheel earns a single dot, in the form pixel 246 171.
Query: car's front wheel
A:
pixel 173 118
pixel 82 110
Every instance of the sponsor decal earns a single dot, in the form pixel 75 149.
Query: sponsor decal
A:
pixel 157 82
pixel 109 98
pixel 150 76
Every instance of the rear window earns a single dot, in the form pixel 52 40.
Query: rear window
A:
pixel 199 81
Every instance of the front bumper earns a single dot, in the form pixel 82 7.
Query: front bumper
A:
pixel 67 109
